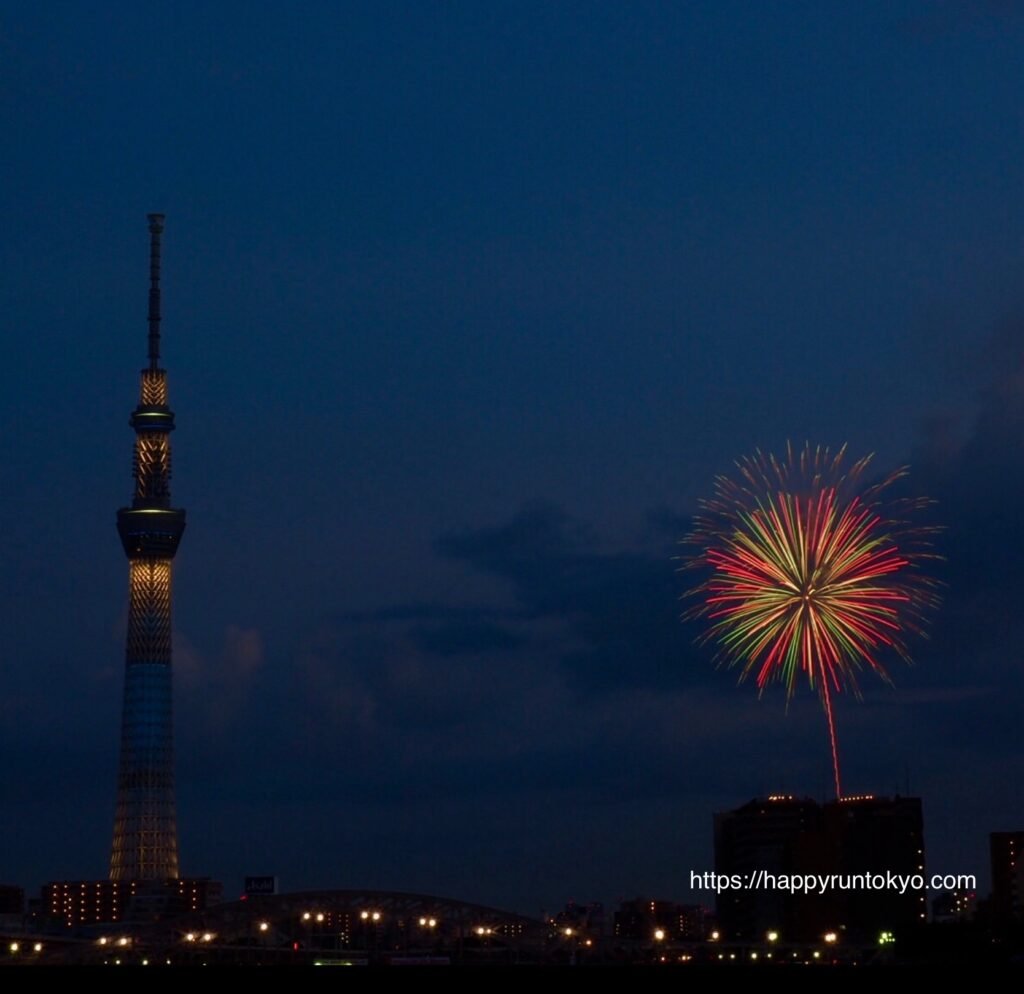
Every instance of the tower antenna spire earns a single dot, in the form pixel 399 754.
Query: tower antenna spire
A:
pixel 156 229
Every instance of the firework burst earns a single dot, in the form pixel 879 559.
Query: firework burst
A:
pixel 812 575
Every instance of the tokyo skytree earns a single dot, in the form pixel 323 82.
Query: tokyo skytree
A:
pixel 145 845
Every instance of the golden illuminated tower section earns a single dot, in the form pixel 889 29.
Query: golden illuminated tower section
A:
pixel 145 826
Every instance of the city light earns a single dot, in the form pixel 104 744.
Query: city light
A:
pixel 773 936
pixel 14 947
pixel 264 926
pixel 37 948
pixel 715 935
pixel 659 935
pixel 831 937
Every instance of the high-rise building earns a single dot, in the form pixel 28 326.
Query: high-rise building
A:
pixel 850 840
pixel 871 835
pixel 766 834
pixel 1007 849
pixel 145 845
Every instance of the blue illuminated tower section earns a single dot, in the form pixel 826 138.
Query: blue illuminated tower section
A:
pixel 145 843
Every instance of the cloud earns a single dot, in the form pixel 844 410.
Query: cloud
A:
pixel 454 639
pixel 953 17
pixel 243 652
pixel 619 610
pixel 976 472
pixel 216 687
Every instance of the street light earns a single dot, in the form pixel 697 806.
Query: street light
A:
pixel 830 937
pixel 659 935
pixel 773 936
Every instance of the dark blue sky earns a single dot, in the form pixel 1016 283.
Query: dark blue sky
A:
pixel 465 305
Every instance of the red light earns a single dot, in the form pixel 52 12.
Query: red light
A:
pixel 295 946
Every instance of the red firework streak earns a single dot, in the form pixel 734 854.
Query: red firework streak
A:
pixel 812 574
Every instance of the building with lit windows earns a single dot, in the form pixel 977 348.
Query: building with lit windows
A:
pixel 1007 852
pixel 876 835
pixel 86 902
pixel 954 906
pixel 645 921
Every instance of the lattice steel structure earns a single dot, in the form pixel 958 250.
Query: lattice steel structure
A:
pixel 145 843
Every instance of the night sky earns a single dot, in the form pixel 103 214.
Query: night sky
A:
pixel 465 306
